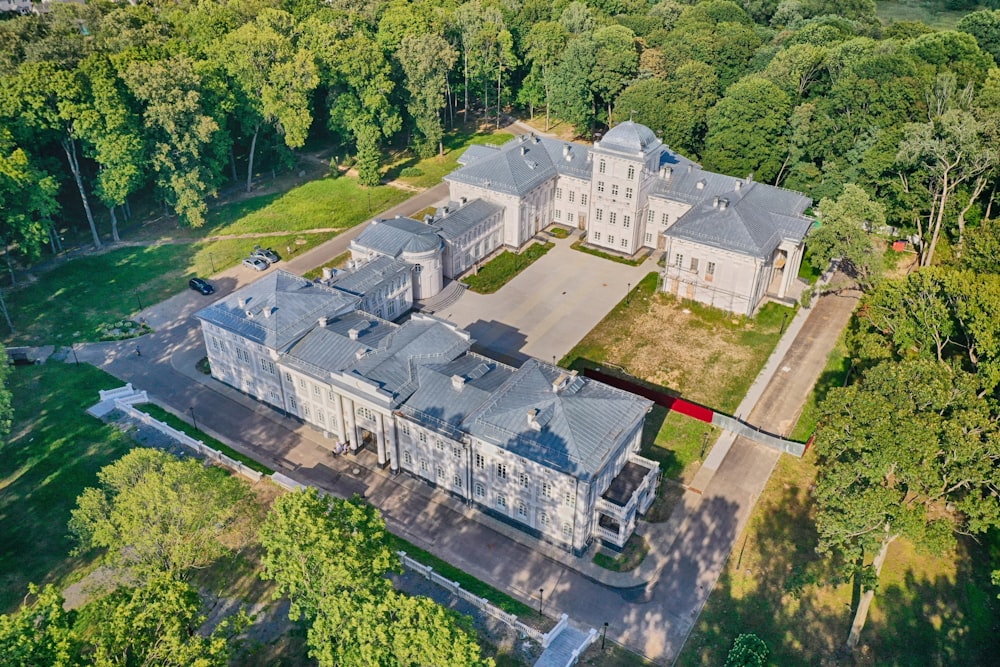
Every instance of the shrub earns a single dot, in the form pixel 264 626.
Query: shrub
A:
pixel 408 172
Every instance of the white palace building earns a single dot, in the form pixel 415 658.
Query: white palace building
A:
pixel 540 447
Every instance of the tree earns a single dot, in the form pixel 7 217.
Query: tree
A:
pixel 572 95
pixel 155 513
pixel 157 624
pixel 40 633
pixel 946 153
pixel 746 129
pixel 329 557
pixel 981 251
pixel 544 44
pixel 797 69
pixel 985 27
pixel 845 232
pixel 748 650
pixel 617 64
pixel 426 61
pixel 911 450
pixel 181 132
pixel 275 78
pixel 27 202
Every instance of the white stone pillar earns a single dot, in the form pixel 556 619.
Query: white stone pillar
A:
pixel 380 437
pixel 341 420
pixel 352 424
pixel 392 444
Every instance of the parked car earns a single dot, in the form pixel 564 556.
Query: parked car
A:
pixel 266 254
pixel 256 263
pixel 201 285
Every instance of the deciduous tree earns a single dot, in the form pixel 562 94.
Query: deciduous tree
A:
pixel 40 632
pixel 426 61
pixel 846 227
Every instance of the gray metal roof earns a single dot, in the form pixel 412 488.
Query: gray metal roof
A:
pixel 574 428
pixel 277 309
pixel 520 166
pixel 629 137
pixel 331 348
pixel 477 152
pixel 753 219
pixel 370 275
pixel 395 236
pixel 459 220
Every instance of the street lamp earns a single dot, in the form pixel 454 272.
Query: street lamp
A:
pixel 212 260
pixel 604 634
pixel 628 293
pixel 784 318
pixel 541 596
pixel 138 300
pixel 193 420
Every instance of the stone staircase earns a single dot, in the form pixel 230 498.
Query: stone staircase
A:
pixel 566 648
pixel 452 292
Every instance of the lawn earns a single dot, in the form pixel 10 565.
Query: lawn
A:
pixel 158 413
pixel 501 269
pixel 706 355
pixel 579 245
pixel 634 552
pixel 929 610
pixel 433 169
pixel 54 451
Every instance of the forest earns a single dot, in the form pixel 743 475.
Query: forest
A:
pixel 104 100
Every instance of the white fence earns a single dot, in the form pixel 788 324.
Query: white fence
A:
pixel 183 438
pixel 543 638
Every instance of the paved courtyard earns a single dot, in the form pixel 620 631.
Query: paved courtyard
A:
pixel 549 307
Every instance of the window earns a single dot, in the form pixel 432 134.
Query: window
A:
pixel 501 471
pixel 407 459
pixel 631 172
pixel 501 501
pixel 366 413
pixel 423 437
pixel 694 264
pixel 440 472
pixel 332 396
pixel 567 530
pixel 600 186
pixel 649 216
pixel 627 221
pixel 292 403
pixel 302 383
pixel 305 409
pixel 628 193
pixel 522 511
pixel 267 366
pixel 546 489
pixel 583 199
pixel 333 422
pixel 558 193
pixel 392 308
pixel 480 461
pixel 599 214
pixel 597 236
pixel 457 451
pixel 216 344
pixel 243 355
pixel 558 214
pixel 614 189
pixel 439 444
pixel 480 491
pixel 523 479
pixel 273 395
pixel 649 238
pixel 405 428
pixel 664 219
pixel 545 519
pixel 457 481
pixel 602 167
pixel 679 260
pixel 320 417
pixel 612 217
pixel 423 465
pixel 611 239
pixel 569 216
pixel 316 391
pixel 710 269
pixel 624 243
pixel 568 498
pixel 571 196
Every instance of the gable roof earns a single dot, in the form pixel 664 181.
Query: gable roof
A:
pixel 518 167
pixel 460 219
pixel 572 430
pixel 368 276
pixel 277 309
pixel 396 236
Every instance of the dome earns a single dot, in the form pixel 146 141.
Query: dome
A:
pixel 630 137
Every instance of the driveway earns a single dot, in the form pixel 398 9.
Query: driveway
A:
pixel 547 308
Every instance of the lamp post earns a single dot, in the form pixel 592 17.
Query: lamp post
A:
pixel 604 634
pixel 75 358
pixel 784 319
pixel 628 293
pixel 138 300
pixel 704 444
pixel 541 596
pixel 193 420
pixel 212 260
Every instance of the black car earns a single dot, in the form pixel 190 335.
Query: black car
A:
pixel 266 254
pixel 201 285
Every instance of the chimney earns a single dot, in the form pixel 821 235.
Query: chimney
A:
pixel 242 302
pixel 268 311
pixel 457 382
pixel 524 150
pixel 560 383
pixel 750 177
pixel 723 203
pixel 566 150
pixel 700 184
pixel 715 202
pixel 323 321
pixel 428 219
pixel 533 420
pixel 462 201
pixel 690 167
pixel 739 185
pixel 354 333
pixel 327 273
pixel 444 211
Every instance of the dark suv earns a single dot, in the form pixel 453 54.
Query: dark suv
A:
pixel 201 285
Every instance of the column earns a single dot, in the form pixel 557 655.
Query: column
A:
pixel 392 444
pixel 352 424
pixel 380 437
pixel 341 421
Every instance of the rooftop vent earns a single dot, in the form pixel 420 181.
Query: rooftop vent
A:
pixel 723 203
pixel 715 202
pixel 566 150
pixel 249 314
pixel 533 422
pixel 666 172
pixel 739 184
pixel 457 382
pixel 524 150
pixel 700 184
pixel 354 333
pixel 560 382
pixel 323 321
pixel 479 371
pixel 444 211
pixel 242 302
pixel 428 219
pixel 462 201
pixel 327 273
pixel 360 354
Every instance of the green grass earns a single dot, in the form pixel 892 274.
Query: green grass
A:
pixel 559 232
pixel 435 168
pixel 501 269
pixel 928 12
pixel 676 441
pixel 327 202
pixel 465 580
pixel 634 552
pixel 54 451
pixel 156 412
pixel 606 255
pixel 337 262
pixel 834 375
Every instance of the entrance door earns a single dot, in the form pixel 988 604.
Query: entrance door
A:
pixel 367 439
